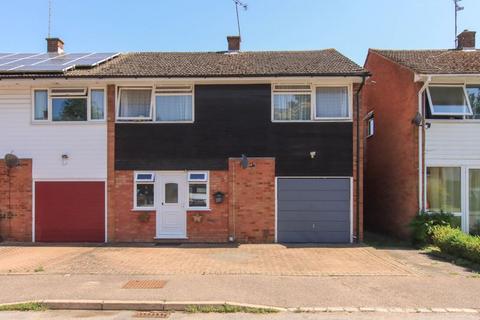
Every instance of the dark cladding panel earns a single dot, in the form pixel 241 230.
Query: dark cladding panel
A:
pixel 231 120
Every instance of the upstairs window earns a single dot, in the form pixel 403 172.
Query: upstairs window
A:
pixel 174 104
pixel 68 104
pixel 307 103
pixel 370 125
pixel 292 102
pixel 448 101
pixel 135 104
pixel 40 104
pixel 474 97
pixel 331 102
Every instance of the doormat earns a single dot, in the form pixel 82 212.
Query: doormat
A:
pixel 144 284
pixel 151 314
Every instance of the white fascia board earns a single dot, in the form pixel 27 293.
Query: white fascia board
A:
pixel 448 78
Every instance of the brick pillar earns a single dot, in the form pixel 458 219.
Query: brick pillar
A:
pixel 252 200
pixel 358 176
pixel 111 161
pixel 16 201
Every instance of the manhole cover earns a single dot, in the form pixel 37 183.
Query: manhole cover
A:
pixel 151 314
pixel 144 284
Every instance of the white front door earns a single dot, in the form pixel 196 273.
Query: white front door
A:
pixel 171 207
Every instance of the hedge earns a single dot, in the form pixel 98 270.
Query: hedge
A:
pixel 456 243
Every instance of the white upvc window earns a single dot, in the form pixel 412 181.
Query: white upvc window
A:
pixel 292 102
pixel 135 103
pixel 332 102
pixel 144 191
pixel 448 100
pixel 304 102
pixel 68 104
pixel 370 126
pixel 198 190
pixel 174 104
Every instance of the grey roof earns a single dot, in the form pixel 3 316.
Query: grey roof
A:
pixel 435 61
pixel 327 62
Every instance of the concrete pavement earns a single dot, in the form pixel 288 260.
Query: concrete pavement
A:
pixel 283 291
pixel 123 315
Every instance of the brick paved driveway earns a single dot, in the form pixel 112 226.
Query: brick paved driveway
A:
pixel 272 259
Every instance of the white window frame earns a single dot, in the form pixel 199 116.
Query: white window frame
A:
pixel 349 102
pixel 175 90
pixel 134 119
pixel 51 96
pixel 313 102
pixel 104 104
pixel 49 111
pixel 370 126
pixel 205 181
pixel 453 114
pixel 136 182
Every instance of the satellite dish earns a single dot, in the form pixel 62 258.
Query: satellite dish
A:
pixel 11 160
pixel 244 162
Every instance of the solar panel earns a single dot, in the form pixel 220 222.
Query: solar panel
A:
pixel 51 62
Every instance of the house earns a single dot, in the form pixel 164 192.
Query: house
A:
pixel 201 147
pixel 423 123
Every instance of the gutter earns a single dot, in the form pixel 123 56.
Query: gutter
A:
pixel 357 198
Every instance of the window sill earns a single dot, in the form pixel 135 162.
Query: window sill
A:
pixel 199 209
pixel 143 209
pixel 152 122
pixel 314 121
pixel 75 123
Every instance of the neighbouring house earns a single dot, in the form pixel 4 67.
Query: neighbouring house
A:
pixel 422 128
pixel 201 147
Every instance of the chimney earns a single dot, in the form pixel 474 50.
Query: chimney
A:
pixel 54 45
pixel 233 43
pixel 466 40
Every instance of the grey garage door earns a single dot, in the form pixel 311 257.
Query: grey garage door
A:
pixel 313 210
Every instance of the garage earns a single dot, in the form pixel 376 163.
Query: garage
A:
pixel 72 211
pixel 316 210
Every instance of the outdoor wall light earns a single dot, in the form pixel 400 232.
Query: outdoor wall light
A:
pixel 313 154
pixel 65 158
pixel 219 196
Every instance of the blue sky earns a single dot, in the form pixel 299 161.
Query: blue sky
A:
pixel 351 26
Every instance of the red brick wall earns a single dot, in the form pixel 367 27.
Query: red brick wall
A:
pixel 211 226
pixel 358 174
pixel 391 172
pixel 252 200
pixel 110 162
pixel 16 220
pixel 128 226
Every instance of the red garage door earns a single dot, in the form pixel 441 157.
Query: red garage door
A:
pixel 70 211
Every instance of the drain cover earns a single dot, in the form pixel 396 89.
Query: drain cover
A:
pixel 144 284
pixel 151 314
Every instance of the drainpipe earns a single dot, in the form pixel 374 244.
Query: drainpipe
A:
pixel 357 198
pixel 421 167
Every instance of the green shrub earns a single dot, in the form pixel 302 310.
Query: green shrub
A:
pixel 423 223
pixel 456 243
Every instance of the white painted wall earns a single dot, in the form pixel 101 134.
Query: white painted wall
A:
pixel 85 143
pixel 453 143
